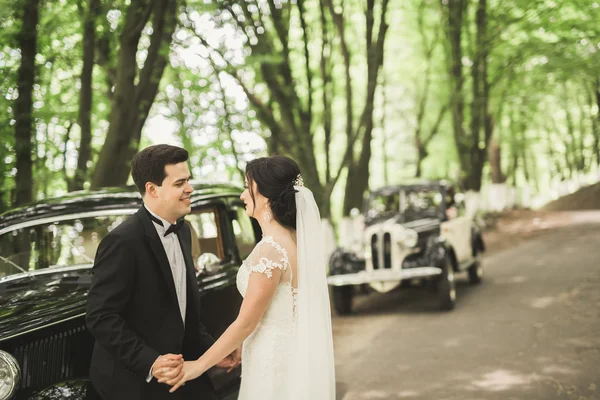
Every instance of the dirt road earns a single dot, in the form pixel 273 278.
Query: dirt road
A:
pixel 530 331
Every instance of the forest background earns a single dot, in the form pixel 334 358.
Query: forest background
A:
pixel 501 97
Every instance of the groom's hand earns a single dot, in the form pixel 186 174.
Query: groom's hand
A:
pixel 167 367
pixel 236 356
pixel 231 361
pixel 226 363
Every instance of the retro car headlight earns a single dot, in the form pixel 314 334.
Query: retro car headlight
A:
pixel 10 375
pixel 409 238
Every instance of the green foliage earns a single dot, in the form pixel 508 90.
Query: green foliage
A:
pixel 543 70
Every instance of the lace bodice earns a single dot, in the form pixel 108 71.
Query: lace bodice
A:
pixel 266 351
pixel 266 256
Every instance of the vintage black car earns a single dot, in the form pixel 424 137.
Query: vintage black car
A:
pixel 414 235
pixel 46 254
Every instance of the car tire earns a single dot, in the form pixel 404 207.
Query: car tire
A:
pixel 342 299
pixel 476 270
pixel 446 286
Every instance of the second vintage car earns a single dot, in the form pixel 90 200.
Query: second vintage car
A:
pixel 417 234
pixel 46 254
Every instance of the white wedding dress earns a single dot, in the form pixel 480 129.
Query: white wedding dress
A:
pixel 266 353
pixel 289 356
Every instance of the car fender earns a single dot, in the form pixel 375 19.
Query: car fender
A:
pixel 337 261
pixel 438 249
pixel 477 241
pixel 343 261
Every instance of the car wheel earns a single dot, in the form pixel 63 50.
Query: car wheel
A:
pixel 446 286
pixel 342 299
pixel 476 270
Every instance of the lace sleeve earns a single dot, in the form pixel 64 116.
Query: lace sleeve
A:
pixel 266 266
pixel 270 255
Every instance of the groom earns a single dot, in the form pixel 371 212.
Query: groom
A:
pixel 143 306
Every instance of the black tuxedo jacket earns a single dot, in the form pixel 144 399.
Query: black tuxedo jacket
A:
pixel 133 313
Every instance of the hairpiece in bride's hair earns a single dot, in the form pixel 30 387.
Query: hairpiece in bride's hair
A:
pixel 299 181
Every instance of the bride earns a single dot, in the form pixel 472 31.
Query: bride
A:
pixel 284 322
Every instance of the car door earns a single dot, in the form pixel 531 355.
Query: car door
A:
pixel 221 301
pixel 457 231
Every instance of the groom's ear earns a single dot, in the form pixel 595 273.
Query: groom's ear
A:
pixel 151 189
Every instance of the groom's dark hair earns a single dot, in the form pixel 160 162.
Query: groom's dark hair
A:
pixel 149 164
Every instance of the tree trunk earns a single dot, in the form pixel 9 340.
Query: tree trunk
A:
pixel 67 137
pixel 511 173
pixel 428 47
pixel 327 82
pixel 428 51
pixel 283 113
pixel 131 103
pixel 338 20
pixel 455 11
pixel 471 148
pixel 85 95
pixel 421 153
pixel 358 174
pixel 514 168
pixel 498 175
pixel 27 41
pixel 186 139
pixel 480 119
pixel 495 157
pixel 105 42
pixel 227 127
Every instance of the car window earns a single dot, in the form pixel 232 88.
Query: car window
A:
pixel 381 205
pixel 421 203
pixel 56 244
pixel 243 231
pixel 206 233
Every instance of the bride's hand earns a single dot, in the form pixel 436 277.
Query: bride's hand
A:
pixel 190 371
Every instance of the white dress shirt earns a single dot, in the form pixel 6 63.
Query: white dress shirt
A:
pixel 177 263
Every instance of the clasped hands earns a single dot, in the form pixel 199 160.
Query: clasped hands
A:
pixel 173 370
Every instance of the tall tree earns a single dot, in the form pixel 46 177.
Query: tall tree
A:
pixel 423 136
pixel 357 181
pixel 471 144
pixel 454 12
pixel 274 93
pixel 135 89
pixel 481 121
pixel 90 13
pixel 27 42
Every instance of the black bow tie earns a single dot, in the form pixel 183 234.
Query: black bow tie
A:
pixel 172 229
pixel 175 227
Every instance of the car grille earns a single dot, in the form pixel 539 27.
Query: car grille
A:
pixel 54 358
pixel 387 251
pixel 375 251
pixel 383 243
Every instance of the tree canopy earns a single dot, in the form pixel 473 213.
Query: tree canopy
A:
pixel 361 93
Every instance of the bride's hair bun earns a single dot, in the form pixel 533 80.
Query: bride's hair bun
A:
pixel 275 177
